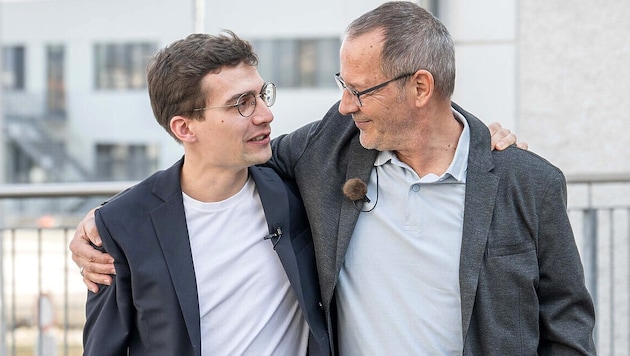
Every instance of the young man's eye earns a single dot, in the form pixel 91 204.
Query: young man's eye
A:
pixel 246 100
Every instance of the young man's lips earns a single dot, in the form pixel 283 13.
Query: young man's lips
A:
pixel 260 138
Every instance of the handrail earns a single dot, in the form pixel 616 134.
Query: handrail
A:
pixel 588 178
pixel 75 189
pixel 106 188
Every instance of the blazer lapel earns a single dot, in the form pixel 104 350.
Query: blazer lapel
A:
pixel 481 191
pixel 169 221
pixel 276 207
pixel 360 165
pixel 481 188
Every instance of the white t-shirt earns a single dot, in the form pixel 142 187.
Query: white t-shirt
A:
pixel 246 303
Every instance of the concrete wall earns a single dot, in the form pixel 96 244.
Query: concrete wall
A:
pixel 574 83
pixel 485 43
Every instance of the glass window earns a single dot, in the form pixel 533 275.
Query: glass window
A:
pixel 125 161
pixel 307 63
pixel 299 63
pixel 122 65
pixel 327 62
pixel 55 82
pixel 12 74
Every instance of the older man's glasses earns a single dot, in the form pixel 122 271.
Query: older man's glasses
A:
pixel 246 103
pixel 357 94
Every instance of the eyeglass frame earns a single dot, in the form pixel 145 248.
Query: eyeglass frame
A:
pixel 342 85
pixel 262 93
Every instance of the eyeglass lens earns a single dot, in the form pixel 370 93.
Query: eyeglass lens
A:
pixel 246 103
pixel 342 86
pixel 268 93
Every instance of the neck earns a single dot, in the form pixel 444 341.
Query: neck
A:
pixel 433 144
pixel 209 183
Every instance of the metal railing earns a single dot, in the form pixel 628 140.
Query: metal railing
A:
pixel 42 297
pixel 600 217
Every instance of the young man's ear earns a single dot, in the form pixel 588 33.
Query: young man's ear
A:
pixel 181 128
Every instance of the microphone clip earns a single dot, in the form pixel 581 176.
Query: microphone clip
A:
pixel 356 190
pixel 274 236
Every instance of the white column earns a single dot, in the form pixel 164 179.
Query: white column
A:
pixel 199 15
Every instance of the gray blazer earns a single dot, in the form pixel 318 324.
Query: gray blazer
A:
pixel 521 279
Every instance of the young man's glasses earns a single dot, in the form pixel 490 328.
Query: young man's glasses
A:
pixel 357 94
pixel 246 103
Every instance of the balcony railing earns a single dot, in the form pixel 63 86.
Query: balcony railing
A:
pixel 42 295
pixel 599 209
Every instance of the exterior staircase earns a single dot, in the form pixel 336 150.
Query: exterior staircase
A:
pixel 32 137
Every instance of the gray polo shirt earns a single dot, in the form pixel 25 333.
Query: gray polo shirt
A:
pixel 398 290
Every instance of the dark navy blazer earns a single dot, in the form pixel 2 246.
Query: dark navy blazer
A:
pixel 152 306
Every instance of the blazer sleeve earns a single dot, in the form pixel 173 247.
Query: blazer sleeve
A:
pixel 567 315
pixel 287 150
pixel 109 313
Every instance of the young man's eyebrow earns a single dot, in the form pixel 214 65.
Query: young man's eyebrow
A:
pixel 232 100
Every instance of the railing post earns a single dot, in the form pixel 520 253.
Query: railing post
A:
pixel 589 252
pixel 3 325
pixel 3 329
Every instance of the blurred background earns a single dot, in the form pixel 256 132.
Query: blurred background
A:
pixel 77 125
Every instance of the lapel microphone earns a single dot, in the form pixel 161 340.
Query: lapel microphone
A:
pixel 356 190
pixel 274 236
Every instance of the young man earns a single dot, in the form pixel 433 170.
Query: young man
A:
pixel 214 255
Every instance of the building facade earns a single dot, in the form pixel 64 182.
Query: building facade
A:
pixel 75 107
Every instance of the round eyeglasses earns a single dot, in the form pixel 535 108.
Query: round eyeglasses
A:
pixel 357 94
pixel 246 103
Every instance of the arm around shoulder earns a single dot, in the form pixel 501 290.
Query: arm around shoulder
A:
pixel 108 313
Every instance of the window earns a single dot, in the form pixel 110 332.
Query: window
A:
pixel 125 161
pixel 122 66
pixel 56 88
pixel 12 74
pixel 431 5
pixel 299 63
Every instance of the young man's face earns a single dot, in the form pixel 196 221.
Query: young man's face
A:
pixel 226 138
